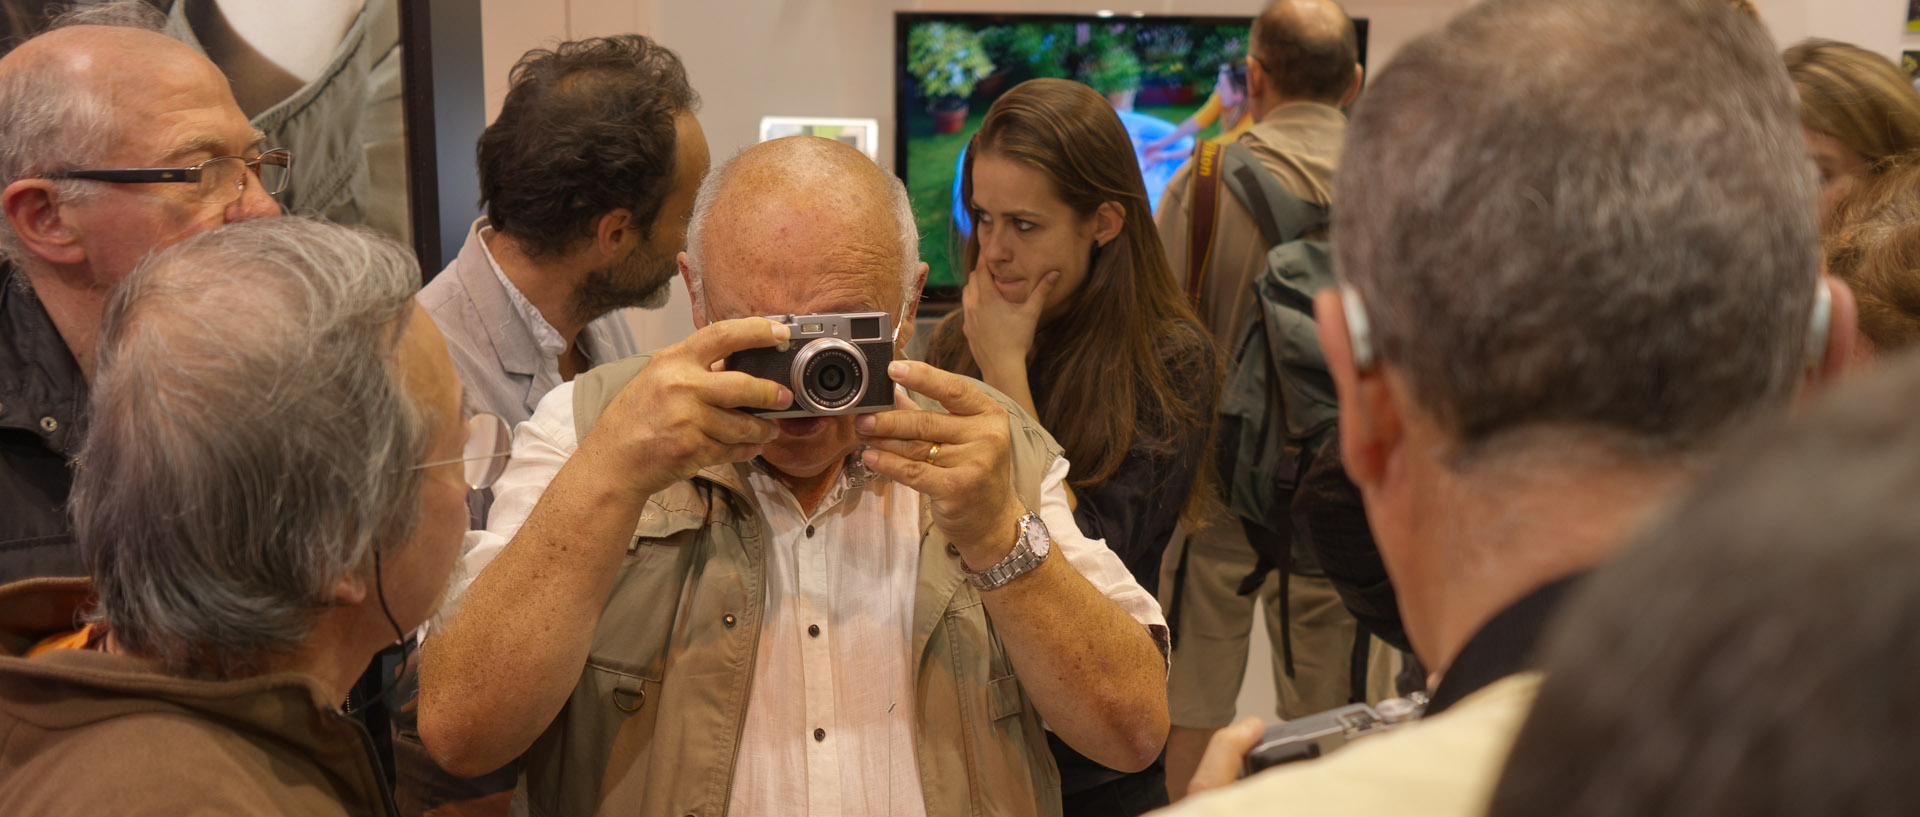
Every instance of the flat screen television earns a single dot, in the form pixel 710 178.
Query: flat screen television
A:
pixel 949 68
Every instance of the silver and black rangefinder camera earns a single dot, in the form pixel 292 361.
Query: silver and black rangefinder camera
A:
pixel 833 364
pixel 1316 735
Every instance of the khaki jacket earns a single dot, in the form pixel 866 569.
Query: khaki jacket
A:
pixel 653 727
pixel 83 732
pixel 1299 142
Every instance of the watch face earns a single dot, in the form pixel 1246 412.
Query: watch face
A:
pixel 1029 550
pixel 1034 530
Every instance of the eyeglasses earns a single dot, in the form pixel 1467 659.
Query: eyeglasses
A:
pixel 222 179
pixel 485 453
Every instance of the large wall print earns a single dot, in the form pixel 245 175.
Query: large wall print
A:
pixel 322 78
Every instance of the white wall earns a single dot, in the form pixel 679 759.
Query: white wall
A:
pixel 1874 24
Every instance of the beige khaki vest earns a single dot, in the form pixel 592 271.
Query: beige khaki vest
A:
pixel 653 728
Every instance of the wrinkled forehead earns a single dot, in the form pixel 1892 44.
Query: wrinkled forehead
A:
pixel 780 254
pixel 171 105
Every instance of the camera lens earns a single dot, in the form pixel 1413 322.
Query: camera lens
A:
pixel 833 378
pixel 829 376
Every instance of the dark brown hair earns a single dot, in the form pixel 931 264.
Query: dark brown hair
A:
pixel 1109 350
pixel 1872 242
pixel 587 127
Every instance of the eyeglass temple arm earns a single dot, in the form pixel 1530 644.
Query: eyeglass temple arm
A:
pixel 133 175
pixel 493 456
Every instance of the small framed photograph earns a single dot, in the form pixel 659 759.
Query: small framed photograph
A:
pixel 863 134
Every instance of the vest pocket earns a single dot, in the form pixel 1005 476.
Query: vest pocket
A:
pixel 628 692
pixel 1003 698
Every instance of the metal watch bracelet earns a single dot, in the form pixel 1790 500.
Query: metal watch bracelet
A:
pixel 1030 548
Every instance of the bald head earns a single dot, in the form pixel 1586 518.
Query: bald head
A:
pixel 94 59
pixel 801 224
pixel 1307 48
pixel 76 96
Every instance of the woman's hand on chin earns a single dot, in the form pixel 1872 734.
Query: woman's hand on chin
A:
pixel 1000 332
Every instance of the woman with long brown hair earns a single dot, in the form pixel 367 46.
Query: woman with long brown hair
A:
pixel 1072 312
pixel 1858 109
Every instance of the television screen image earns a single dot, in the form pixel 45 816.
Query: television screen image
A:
pixel 1160 74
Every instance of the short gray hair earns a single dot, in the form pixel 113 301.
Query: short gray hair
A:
pixel 907 230
pixel 252 439
pixel 138 14
pixel 49 125
pixel 1584 215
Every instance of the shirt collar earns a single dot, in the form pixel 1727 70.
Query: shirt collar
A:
pixel 1299 111
pixel 551 344
pixel 1506 645
pixel 854 475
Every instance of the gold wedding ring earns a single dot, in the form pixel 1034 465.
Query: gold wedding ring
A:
pixel 931 452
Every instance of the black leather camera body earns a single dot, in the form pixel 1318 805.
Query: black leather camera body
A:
pixel 834 364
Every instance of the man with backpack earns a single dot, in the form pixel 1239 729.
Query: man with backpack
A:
pixel 1220 217
pixel 1565 278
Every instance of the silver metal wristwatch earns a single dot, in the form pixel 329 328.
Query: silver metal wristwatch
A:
pixel 1029 550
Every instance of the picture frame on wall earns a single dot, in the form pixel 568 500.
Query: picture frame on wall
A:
pixel 863 134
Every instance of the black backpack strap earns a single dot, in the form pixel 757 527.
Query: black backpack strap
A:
pixel 1268 545
pixel 1280 215
pixel 1175 599
pixel 1357 668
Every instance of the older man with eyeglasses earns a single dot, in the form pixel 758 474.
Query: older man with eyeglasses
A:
pixel 114 142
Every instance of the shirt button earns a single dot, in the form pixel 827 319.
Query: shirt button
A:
pixel 819 734
pixel 49 424
pixel 813 630
pixel 809 531
pixel 728 620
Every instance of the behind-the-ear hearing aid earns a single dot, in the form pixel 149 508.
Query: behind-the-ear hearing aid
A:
pixel 1359 331
pixel 1819 324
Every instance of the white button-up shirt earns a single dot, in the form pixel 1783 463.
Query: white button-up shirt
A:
pixel 551 344
pixel 830 713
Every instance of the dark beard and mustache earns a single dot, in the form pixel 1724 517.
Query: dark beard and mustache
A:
pixel 637 280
